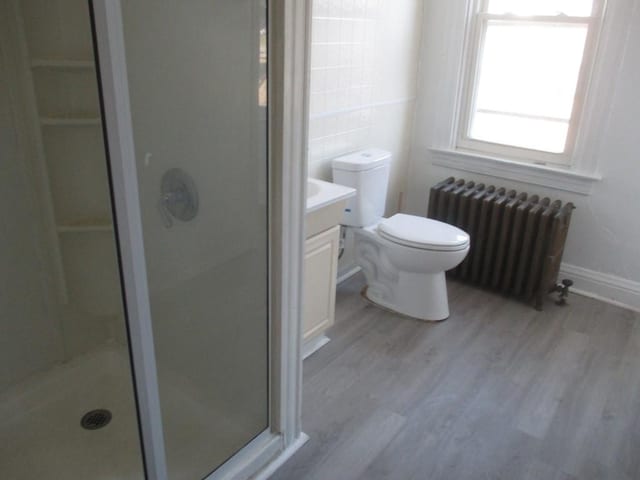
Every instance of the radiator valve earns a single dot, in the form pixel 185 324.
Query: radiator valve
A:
pixel 563 291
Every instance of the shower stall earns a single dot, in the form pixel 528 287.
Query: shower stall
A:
pixel 136 252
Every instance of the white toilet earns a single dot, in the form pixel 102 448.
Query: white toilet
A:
pixel 403 257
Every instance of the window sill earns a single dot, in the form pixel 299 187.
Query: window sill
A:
pixel 551 177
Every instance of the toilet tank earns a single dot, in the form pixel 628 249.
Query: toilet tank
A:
pixel 368 172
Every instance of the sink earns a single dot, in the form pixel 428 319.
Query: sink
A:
pixel 325 205
pixel 321 194
pixel 313 189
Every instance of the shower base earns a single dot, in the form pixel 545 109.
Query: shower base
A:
pixel 41 435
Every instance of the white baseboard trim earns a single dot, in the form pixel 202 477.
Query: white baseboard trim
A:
pixel 602 286
pixel 348 274
pixel 282 458
pixel 312 345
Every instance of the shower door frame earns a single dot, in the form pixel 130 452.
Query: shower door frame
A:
pixel 288 32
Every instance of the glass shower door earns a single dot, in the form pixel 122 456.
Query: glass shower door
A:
pixel 196 74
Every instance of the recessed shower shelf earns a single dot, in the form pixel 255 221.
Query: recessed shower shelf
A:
pixel 62 64
pixel 85 227
pixel 69 122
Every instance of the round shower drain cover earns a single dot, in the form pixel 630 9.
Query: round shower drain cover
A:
pixel 96 419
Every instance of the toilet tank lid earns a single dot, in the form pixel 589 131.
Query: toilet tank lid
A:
pixel 362 160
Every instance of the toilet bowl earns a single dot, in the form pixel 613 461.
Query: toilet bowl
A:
pixel 404 257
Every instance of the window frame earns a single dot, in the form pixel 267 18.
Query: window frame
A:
pixel 477 23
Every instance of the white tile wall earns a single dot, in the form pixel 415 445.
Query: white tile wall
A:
pixel 363 72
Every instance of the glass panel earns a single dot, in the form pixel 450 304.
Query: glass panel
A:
pixel 197 79
pixel 63 342
pixel 536 134
pixel 528 72
pixel 576 8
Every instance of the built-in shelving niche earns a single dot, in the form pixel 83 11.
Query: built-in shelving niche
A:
pixel 77 172
pixel 62 70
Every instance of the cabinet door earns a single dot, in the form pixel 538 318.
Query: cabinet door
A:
pixel 321 263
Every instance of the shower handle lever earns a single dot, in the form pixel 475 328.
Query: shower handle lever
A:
pixel 164 212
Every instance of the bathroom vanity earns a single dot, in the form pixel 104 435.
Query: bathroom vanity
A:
pixel 325 207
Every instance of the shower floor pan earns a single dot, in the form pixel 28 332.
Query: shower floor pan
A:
pixel 41 435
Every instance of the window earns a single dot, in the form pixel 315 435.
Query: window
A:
pixel 527 70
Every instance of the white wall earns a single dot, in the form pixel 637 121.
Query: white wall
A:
pixel 364 57
pixel 603 247
pixel 30 339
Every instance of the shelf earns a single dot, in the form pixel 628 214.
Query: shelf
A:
pixel 69 122
pixel 86 227
pixel 63 64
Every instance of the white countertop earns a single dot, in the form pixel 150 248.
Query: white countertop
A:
pixel 321 193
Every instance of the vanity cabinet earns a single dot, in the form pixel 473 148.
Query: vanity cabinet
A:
pixel 320 272
pixel 325 207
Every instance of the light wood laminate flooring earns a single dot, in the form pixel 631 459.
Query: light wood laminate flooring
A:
pixel 497 391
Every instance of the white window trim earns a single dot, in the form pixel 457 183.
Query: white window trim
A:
pixel 477 21
pixel 546 176
pixel 441 89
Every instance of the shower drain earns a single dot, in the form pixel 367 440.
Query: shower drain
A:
pixel 95 419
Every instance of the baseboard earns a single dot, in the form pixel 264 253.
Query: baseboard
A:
pixel 348 274
pixel 282 458
pixel 602 286
pixel 312 345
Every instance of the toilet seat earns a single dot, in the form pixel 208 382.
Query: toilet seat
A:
pixel 423 233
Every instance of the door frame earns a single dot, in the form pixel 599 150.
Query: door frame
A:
pixel 288 106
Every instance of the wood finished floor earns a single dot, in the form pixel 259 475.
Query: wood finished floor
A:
pixel 498 391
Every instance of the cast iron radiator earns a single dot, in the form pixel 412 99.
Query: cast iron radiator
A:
pixel 517 240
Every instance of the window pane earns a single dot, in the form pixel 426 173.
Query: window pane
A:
pixel 529 71
pixel 576 8
pixel 523 132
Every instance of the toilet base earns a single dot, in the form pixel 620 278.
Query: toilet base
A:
pixel 416 295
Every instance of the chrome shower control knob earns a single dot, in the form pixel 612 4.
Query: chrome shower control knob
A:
pixel 178 197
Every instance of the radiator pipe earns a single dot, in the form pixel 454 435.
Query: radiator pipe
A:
pixel 343 236
pixel 563 291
